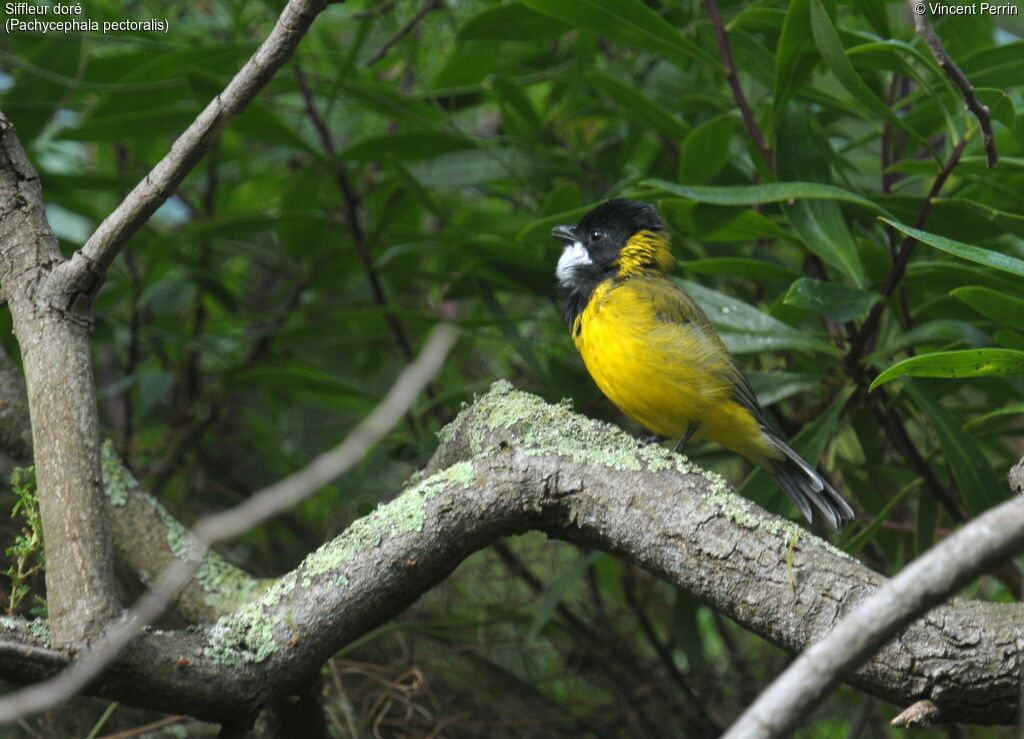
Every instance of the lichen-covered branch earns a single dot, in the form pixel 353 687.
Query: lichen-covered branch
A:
pixel 511 462
pixel 148 540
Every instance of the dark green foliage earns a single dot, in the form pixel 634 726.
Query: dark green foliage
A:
pixel 269 305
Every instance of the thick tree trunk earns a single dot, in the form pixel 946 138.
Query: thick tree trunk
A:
pixel 54 339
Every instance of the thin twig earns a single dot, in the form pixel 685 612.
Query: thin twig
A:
pixel 259 507
pixel 992 537
pixel 923 26
pixel 734 82
pixel 377 11
pixel 352 202
pixel 84 272
pixel 403 31
pixel 867 329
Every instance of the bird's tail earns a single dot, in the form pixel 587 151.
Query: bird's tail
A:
pixel 807 488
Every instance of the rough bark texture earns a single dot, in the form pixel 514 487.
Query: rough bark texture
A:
pixel 54 341
pixel 510 463
pixel 15 428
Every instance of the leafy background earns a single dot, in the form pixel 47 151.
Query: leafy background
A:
pixel 385 182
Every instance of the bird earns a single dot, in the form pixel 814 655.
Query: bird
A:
pixel 654 353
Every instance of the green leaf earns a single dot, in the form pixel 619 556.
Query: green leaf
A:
pixel 773 192
pixel 934 332
pixel 957 364
pixel 541 229
pixel 809 444
pixel 866 535
pixel 751 327
pixel 971 470
pixel 134 125
pixel 409 146
pixel 994 66
pixel 756 269
pixel 820 223
pixel 834 301
pixel 629 22
pixel 706 222
pixel 965 251
pixel 686 629
pixel 518 113
pixel 1014 409
pixel 877 14
pixel 512 22
pixel 832 51
pixel 705 150
pixel 772 387
pixel 795 54
pixel 994 304
pixel 557 590
pixel 1000 106
pixel 639 106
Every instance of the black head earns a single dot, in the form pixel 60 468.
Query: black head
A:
pixel 605 230
pixel 602 245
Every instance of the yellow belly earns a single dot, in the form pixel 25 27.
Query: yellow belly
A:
pixel 666 375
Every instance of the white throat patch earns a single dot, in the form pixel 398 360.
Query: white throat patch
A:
pixel 572 257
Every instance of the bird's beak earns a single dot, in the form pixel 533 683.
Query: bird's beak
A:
pixel 566 233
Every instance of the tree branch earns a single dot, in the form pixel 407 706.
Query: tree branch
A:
pixel 403 31
pixel 931 578
pixel 84 272
pixel 54 342
pixel 510 463
pixel 256 509
pixel 867 329
pixel 924 29
pixel 734 82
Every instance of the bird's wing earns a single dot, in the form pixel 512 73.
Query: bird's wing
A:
pixel 672 304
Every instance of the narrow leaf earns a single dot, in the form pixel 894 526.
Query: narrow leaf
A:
pixel 773 192
pixel 705 150
pixel 957 364
pixel 994 304
pixel 971 470
pixel 834 301
pixel 965 251
pixel 629 22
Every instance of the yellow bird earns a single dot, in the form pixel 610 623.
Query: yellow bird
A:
pixel 654 353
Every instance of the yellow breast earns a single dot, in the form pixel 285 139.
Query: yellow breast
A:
pixel 667 375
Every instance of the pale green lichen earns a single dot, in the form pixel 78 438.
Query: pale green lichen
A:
pixel 746 513
pixel 37 628
pixel 245 635
pixel 118 480
pixel 225 584
pixel 407 512
pixel 546 428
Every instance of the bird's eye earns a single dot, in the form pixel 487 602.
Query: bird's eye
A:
pixel 596 236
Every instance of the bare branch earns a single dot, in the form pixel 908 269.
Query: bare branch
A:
pixel 238 520
pixel 734 82
pixel 511 463
pixel 403 31
pixel 867 329
pixel 923 26
pixel 917 716
pixel 980 545
pixel 85 270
